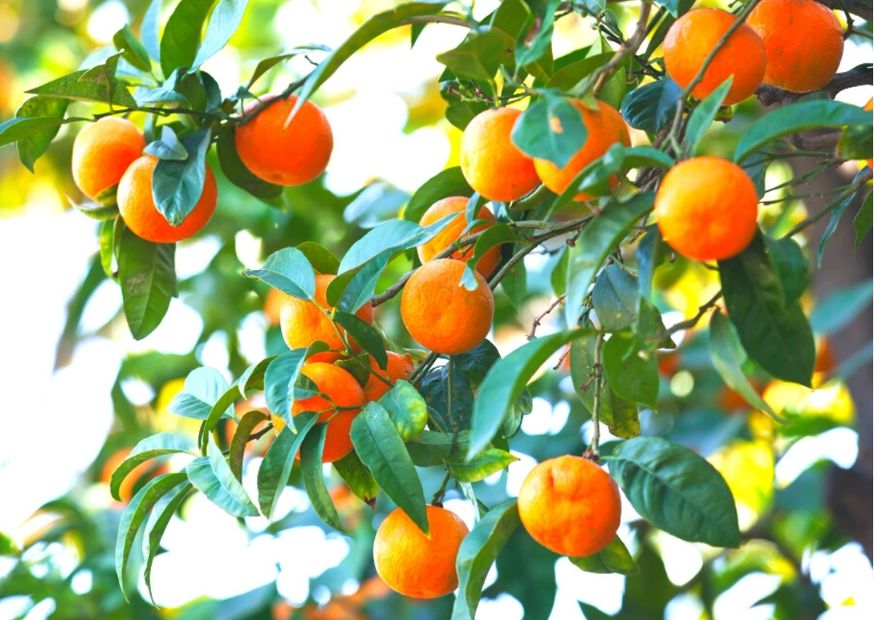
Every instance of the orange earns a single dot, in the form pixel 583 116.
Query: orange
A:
pixel 102 151
pixel 706 208
pixel 416 565
pixel 440 313
pixel 137 205
pixel 453 232
pixel 694 36
pixel 570 505
pixel 305 322
pixel 605 128
pixel 494 166
pixel 286 155
pixel 138 475
pixel 272 305
pixel 803 41
pixel 398 367
pixel 867 108
pixel 338 389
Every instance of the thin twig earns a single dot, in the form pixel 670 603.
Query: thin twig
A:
pixel 627 48
pixel 539 318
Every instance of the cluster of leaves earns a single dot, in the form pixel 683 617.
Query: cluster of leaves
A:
pixel 459 416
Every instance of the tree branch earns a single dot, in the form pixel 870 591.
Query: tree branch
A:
pixel 862 8
pixel 859 75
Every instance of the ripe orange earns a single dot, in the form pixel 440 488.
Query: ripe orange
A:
pixel 291 155
pixel 706 208
pixel 694 36
pixel 803 41
pixel 416 565
pixel 398 367
pixel 305 322
pixel 491 163
pixel 867 108
pixel 570 505
pixel 452 232
pixel 605 128
pixel 273 304
pixel 340 389
pixel 440 313
pixel 137 205
pixel 102 151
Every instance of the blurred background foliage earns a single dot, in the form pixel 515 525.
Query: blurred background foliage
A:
pixel 803 491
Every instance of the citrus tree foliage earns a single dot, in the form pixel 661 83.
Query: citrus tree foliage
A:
pixel 453 422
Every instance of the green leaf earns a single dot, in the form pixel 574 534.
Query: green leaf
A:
pixel 432 448
pixel 381 449
pixel 550 128
pixel 863 221
pixel 651 107
pixel 322 260
pixel 651 252
pixel 223 408
pixel 449 397
pixel 775 334
pixel 89 85
pixel 359 284
pixel 369 30
pixel 480 55
pixel 791 266
pixel 406 408
pixel 558 275
pixel 481 466
pixel 268 63
pixel 703 114
pixel 157 523
pixel 674 489
pixel 728 358
pixel 181 38
pixel 388 237
pixel 494 235
pixel 842 306
pixel 237 450
pixel 534 42
pixel 224 21
pixel 833 221
pixel 280 379
pixel 149 448
pixel 133 51
pixel 202 390
pixel 212 476
pixel 106 241
pixel 147 275
pixel 168 146
pixel 614 298
pixel 289 271
pixel 177 185
pixel 314 482
pixel 449 182
pixel 629 375
pixel 515 285
pixel 150 28
pixel 596 241
pixel 358 478
pixel 614 558
pixel 364 334
pixel 474 364
pixel 276 467
pixel 16 129
pixel 504 383
pixel 478 552
pixel 795 117
pixel 135 513
pixel 855 143
pixel 37 139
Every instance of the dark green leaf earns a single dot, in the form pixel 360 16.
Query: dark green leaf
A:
pixel 505 382
pixel 834 219
pixel 280 379
pixel 80 86
pixel 483 465
pixel 244 429
pixel 728 357
pixel 432 448
pixel 480 55
pixel 536 41
pixel 168 146
pixel 16 129
pixel 364 334
pixel 212 476
pixel 775 334
pixel 449 397
pixel 449 182
pixel 675 489
pixel 149 448
pixel 863 221
pixel 558 275
pixel 37 139
pixel 178 185
pixel 146 273
pixel 614 558
pixel 614 298
pixel 650 107
pixel 202 390
pixel 651 252
pixel 181 37
pixel 550 128
pixel 134 52
pixel 322 260
pixel 478 552
pixel 856 143
pixel 406 408
pixel 223 408
pixel 313 479
pixel 703 114
pixel 515 285
pixel 474 364
pixel 236 171
pixel 359 284
pixel 276 467
pixel 596 241
pixel 358 477
pixel 223 22
pixel 288 270
pixel 630 375
pixel 791 266
pixel 795 117
pixel 382 450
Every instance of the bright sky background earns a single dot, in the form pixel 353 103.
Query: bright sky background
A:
pixel 44 252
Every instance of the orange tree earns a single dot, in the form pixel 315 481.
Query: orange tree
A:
pixel 547 168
